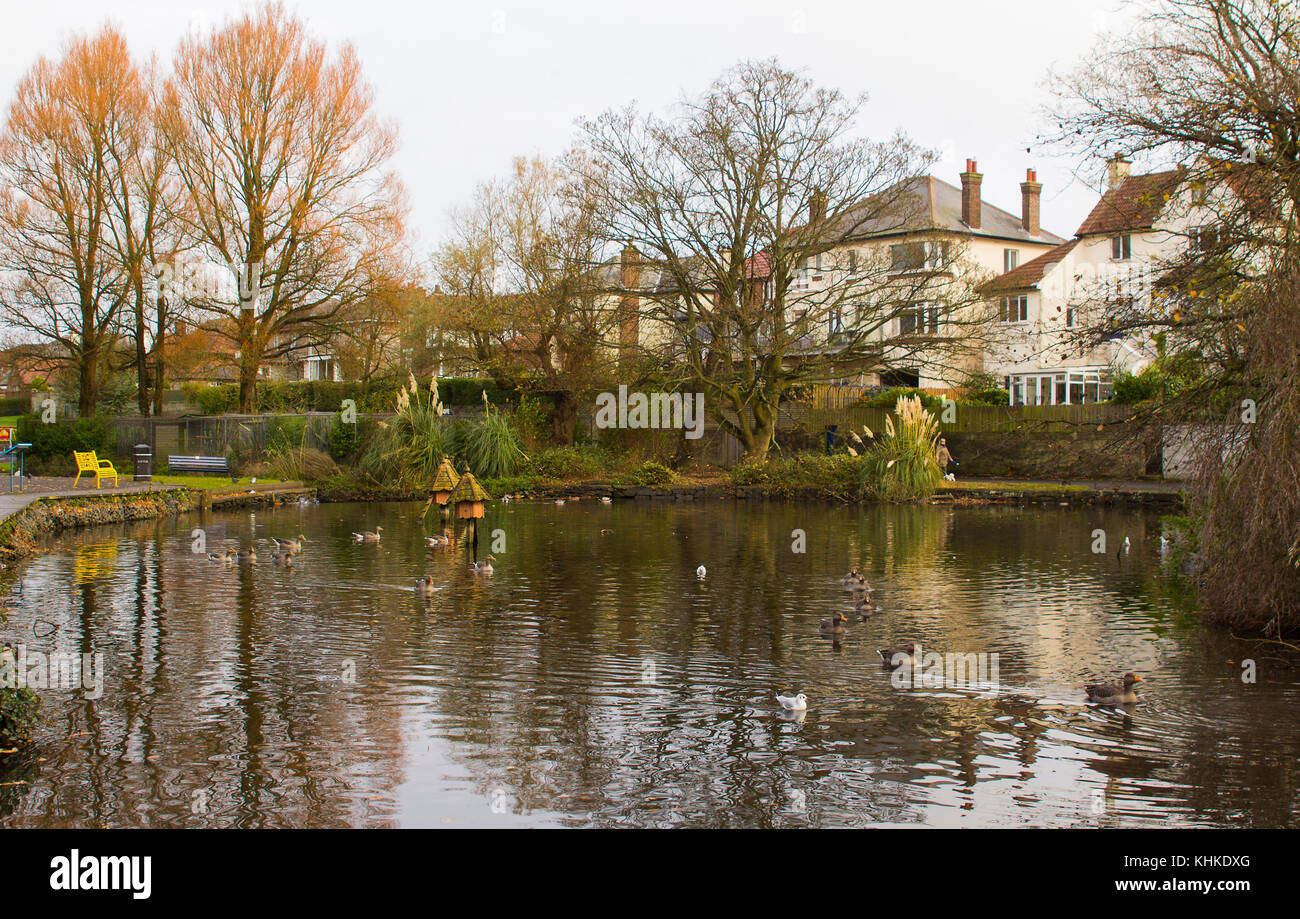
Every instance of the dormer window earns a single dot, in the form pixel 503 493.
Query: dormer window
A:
pixel 1015 309
pixel 1121 247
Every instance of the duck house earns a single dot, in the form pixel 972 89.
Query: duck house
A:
pixel 469 497
pixel 445 481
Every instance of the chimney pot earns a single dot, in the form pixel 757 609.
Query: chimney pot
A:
pixel 1031 193
pixel 970 195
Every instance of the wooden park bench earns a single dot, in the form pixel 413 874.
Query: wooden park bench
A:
pixel 213 464
pixel 89 464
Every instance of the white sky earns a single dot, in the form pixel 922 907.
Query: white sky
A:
pixel 473 84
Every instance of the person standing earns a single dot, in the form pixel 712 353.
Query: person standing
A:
pixel 944 457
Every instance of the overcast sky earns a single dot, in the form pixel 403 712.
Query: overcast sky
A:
pixel 473 84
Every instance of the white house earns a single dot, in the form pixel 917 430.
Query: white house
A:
pixel 1141 227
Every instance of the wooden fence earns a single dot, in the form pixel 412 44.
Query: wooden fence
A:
pixel 970 418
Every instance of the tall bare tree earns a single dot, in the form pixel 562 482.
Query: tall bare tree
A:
pixel 286 166
pixel 525 296
pixel 147 206
pixel 732 203
pixel 69 134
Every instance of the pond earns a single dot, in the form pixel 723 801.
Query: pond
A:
pixel 594 680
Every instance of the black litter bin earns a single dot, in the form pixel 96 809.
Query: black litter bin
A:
pixel 143 463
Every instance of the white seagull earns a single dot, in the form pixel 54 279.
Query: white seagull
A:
pixel 700 572
pixel 797 703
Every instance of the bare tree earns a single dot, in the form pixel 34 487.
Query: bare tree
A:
pixel 69 133
pixel 285 164
pixel 735 204
pixel 526 299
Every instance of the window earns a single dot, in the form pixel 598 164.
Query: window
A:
pixel 918 318
pixel 1205 239
pixel 926 256
pixel 853 261
pixel 1121 247
pixel 1010 259
pixel 1069 317
pixel 836 322
pixel 1015 309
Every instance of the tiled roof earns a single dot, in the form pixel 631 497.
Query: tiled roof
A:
pixel 1031 272
pixel 936 205
pixel 1133 205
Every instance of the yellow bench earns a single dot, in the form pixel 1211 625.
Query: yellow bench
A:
pixel 89 464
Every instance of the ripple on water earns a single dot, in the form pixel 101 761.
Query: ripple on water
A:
pixel 593 680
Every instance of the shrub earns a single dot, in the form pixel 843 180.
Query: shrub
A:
pixel 836 474
pixel 532 422
pixel 578 462
pixel 648 475
pixel 53 444
pixel 1166 378
pixel 985 389
pixel 888 398
pixel 345 439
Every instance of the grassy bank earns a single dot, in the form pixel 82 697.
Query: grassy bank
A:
pixel 21 531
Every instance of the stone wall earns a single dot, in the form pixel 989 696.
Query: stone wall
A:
pixel 1056 456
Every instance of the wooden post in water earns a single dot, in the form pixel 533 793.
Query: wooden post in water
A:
pixel 469 497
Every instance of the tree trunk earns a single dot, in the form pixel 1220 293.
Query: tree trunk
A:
pixel 248 383
pixel 250 358
pixel 88 382
pixel 564 418
pixel 755 429
pixel 141 357
pixel 159 355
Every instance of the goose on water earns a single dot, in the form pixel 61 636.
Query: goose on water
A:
pixel 1115 694
pixel 894 658
pixel 368 535
pixel 833 626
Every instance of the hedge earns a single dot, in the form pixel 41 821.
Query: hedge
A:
pixel 327 396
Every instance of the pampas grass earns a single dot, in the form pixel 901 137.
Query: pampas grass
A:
pixel 904 464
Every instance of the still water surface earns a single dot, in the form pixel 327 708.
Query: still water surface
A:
pixel 595 681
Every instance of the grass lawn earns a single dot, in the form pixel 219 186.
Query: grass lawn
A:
pixel 201 481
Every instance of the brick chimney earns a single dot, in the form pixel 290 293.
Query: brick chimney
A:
pixel 817 206
pixel 1031 193
pixel 970 195
pixel 629 304
pixel 1118 168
